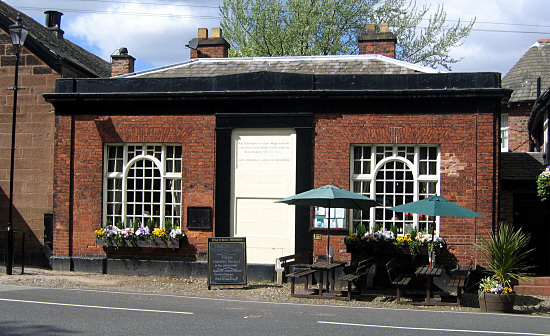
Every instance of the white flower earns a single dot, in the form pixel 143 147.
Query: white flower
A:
pixel 175 233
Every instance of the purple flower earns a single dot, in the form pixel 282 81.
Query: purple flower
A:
pixel 142 231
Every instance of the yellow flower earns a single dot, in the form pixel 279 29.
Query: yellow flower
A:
pixel 159 233
pixel 99 233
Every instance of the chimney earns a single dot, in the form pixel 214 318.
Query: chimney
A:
pixel 53 22
pixel 122 63
pixel 214 46
pixel 377 42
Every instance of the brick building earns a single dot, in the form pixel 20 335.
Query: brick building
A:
pixel 522 157
pixel 233 135
pixel 45 57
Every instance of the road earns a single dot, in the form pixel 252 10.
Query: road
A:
pixel 50 311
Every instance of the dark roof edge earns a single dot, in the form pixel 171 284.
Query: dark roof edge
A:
pixel 276 81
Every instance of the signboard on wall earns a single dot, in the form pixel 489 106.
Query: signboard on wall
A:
pixel 226 261
pixel 337 218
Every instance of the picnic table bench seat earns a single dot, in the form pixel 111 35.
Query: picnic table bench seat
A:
pixel 398 277
pixel 300 274
pixel 459 278
pixel 355 278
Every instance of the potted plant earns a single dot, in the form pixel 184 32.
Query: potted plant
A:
pixel 543 184
pixel 506 255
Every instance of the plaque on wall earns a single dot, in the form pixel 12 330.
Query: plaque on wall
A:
pixel 199 218
pixel 226 261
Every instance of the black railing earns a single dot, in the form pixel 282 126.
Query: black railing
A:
pixel 21 247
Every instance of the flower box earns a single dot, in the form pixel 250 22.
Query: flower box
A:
pixel 154 243
pixel 497 302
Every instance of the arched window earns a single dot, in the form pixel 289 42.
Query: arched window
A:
pixel 143 183
pixel 394 175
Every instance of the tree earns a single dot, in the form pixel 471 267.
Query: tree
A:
pixel 331 27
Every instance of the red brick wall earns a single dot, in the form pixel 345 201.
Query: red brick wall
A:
pixel 518 117
pixel 385 48
pixel 33 174
pixel 468 165
pixel 83 211
pixel 211 51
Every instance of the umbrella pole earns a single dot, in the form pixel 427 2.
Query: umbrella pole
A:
pixel 328 234
pixel 432 249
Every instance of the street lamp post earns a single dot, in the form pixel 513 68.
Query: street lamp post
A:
pixel 18 35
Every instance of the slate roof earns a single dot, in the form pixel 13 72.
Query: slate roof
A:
pixel 320 65
pixel 522 78
pixel 521 166
pixel 52 50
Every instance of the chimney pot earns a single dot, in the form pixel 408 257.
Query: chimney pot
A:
pixel 53 22
pixel 203 33
pixel 384 28
pixel 371 28
pixel 216 33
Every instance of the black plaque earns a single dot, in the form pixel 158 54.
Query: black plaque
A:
pixel 199 218
pixel 226 261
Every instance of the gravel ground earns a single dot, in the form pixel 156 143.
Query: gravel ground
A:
pixel 257 291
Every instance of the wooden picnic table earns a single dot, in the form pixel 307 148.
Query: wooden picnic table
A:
pixel 429 273
pixel 328 269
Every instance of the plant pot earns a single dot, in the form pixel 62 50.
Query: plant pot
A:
pixel 155 243
pixel 159 243
pixel 496 303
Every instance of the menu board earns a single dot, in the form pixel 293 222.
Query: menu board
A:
pixel 226 261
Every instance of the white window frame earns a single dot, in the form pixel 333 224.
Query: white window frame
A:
pixel 504 132
pixel 407 155
pixel 168 169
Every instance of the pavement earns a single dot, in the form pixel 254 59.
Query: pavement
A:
pixel 255 291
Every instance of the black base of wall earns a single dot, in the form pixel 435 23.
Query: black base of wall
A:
pixel 187 269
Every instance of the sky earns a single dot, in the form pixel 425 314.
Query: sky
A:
pixel 156 31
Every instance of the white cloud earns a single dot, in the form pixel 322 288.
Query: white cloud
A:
pixel 158 38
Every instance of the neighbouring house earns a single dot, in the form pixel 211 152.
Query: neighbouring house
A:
pixel 223 138
pixel 522 158
pixel 45 57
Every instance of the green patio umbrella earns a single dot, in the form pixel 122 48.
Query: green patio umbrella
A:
pixel 329 197
pixel 435 206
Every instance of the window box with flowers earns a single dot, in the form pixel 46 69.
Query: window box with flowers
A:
pixel 139 236
pixel 386 242
pixel 543 184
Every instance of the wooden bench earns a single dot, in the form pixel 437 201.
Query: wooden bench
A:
pixel 301 274
pixel 398 278
pixel 282 265
pixel 459 278
pixel 356 278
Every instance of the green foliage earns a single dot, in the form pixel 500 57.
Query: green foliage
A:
pixel 393 229
pixel 361 230
pixel 120 224
pixel 150 224
pixel 506 254
pixel 136 224
pixel 376 227
pixel 543 184
pixel 331 27
pixel 168 225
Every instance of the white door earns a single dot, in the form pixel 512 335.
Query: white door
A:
pixel 264 171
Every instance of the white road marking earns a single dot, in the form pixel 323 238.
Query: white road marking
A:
pixel 98 307
pixel 433 329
